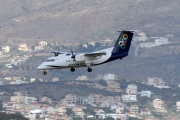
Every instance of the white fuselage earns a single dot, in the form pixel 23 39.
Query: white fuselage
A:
pixel 65 61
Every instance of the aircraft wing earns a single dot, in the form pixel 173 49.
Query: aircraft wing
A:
pixel 94 54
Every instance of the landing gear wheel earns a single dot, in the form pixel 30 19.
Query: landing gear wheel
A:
pixel 72 69
pixel 45 73
pixel 89 70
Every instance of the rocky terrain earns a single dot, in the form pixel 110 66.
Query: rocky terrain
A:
pixel 85 20
pixel 30 21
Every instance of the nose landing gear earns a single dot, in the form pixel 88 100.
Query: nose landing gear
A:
pixel 45 73
pixel 89 69
pixel 72 69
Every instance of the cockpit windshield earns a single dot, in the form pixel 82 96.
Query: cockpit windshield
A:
pixel 50 60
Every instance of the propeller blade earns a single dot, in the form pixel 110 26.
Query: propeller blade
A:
pixel 73 55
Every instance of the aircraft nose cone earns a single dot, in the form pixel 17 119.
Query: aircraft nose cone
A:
pixel 39 67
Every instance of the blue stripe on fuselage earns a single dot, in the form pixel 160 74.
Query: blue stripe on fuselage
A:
pixel 115 56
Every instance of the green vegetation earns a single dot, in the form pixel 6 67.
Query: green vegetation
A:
pixel 103 83
pixel 4 116
pixel 69 112
pixel 132 118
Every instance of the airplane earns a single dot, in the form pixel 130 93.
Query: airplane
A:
pixel 71 60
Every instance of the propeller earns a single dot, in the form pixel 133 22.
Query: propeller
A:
pixel 73 55
pixel 55 53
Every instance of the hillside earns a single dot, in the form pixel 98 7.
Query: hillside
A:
pixel 82 20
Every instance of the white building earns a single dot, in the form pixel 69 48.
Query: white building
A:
pixel 178 106
pixel 110 76
pixel 155 81
pixel 145 93
pixel 113 115
pixel 145 111
pixel 8 65
pixel 134 109
pixel 36 113
pixel 6 49
pixel 131 89
pixel 129 98
pixel 29 100
pixel 147 45
pixel 43 43
pixel 158 103
pixel 32 79
pixel 83 77
pixel 140 38
pixel 161 41
pixel 23 47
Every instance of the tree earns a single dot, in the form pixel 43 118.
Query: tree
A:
pixel 69 112
pixel 77 118
pixel 4 116
pixel 109 118
pixel 1 108
pixel 37 116
pixel 103 83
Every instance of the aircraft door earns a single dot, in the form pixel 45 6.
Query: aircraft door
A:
pixel 61 62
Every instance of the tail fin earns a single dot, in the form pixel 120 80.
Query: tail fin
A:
pixel 123 42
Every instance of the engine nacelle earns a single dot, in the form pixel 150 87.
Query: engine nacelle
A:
pixel 80 57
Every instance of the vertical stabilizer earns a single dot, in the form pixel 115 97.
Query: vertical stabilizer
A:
pixel 123 42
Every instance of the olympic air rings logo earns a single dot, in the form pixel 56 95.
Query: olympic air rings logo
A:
pixel 123 41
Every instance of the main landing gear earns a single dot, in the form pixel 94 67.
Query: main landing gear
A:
pixel 72 69
pixel 89 69
pixel 45 73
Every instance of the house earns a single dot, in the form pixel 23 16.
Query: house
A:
pixel 145 111
pixel 161 41
pixel 43 43
pixel 23 47
pixel 159 105
pixel 32 79
pixel 112 99
pixel 21 93
pixel 29 100
pixel 69 99
pixel 39 47
pixel 55 79
pixel 78 110
pixel 7 106
pixel 155 81
pixel 178 106
pixel 110 76
pixel 36 112
pixel 131 89
pixel 62 110
pixel 113 115
pixel 45 99
pixel 151 119
pixel 129 98
pixel 146 93
pixel 119 108
pixel 16 99
pixel 95 99
pixel 113 86
pixel 8 78
pixel 82 99
pixel 134 109
pixel 83 77
pixel 100 111
pixel 6 49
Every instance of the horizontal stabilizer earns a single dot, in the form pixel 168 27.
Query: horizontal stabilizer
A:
pixel 94 54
